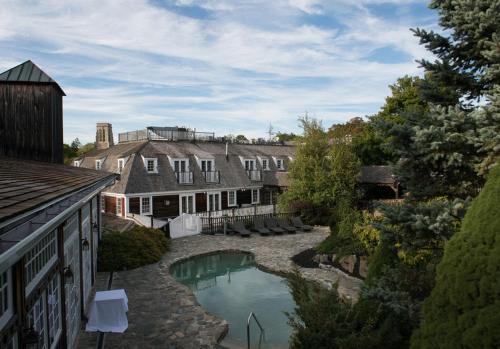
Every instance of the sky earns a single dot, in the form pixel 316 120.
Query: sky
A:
pixel 223 66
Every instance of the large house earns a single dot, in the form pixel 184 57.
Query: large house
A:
pixel 49 217
pixel 167 171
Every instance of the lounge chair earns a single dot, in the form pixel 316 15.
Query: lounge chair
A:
pixel 297 223
pixel 239 227
pixel 259 227
pixel 229 229
pixel 272 225
pixel 283 223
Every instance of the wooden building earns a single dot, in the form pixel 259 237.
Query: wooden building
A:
pixel 49 223
pixel 31 114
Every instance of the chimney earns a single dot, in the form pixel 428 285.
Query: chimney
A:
pixel 103 136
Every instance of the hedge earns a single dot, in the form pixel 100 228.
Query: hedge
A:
pixel 131 249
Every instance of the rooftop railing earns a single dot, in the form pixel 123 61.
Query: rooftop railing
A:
pixel 254 175
pixel 212 176
pixel 184 177
pixel 165 134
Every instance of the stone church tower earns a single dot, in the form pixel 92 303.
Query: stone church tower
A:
pixel 103 136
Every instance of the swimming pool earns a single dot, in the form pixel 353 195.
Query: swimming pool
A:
pixel 230 286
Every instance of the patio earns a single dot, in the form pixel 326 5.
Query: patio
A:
pixel 164 313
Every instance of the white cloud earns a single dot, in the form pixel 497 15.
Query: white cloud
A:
pixel 131 62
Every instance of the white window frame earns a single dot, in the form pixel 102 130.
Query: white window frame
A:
pixel 77 163
pixel 98 164
pixel 155 165
pixel 42 256
pixel 255 200
pixel 142 211
pixel 118 202
pixel 206 161
pixel 187 196
pixel 37 315
pixel 8 312
pixel 121 165
pixel 235 202
pixel 219 203
pixel 280 164
pixel 253 164
pixel 266 162
pixel 180 160
pixel 50 287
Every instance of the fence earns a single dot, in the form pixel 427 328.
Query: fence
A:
pixel 240 211
pixel 148 221
pixel 212 225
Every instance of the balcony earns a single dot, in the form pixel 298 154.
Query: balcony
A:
pixel 254 175
pixel 184 177
pixel 211 176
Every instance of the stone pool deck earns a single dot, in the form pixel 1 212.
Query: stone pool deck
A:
pixel 165 314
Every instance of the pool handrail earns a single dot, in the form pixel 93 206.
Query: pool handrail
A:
pixel 262 332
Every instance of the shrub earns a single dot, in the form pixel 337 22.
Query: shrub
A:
pixel 322 319
pixel 463 310
pixel 131 249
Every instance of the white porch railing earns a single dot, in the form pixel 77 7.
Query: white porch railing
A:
pixel 254 175
pixel 147 221
pixel 211 176
pixel 241 211
pixel 184 177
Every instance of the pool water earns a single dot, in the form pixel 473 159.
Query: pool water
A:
pixel 230 286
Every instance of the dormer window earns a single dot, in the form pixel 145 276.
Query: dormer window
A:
pixel 249 164
pixel 207 165
pixel 77 163
pixel 151 165
pixel 280 164
pixel 265 164
pixel 121 165
pixel 98 164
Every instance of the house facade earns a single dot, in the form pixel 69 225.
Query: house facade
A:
pixel 49 218
pixel 167 171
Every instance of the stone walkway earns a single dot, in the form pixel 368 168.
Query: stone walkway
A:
pixel 165 314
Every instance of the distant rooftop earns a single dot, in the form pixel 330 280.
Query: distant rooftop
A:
pixel 28 72
pixel 172 134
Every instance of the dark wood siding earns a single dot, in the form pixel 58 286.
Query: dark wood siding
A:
pixel 201 202
pixel 161 209
pixel 134 205
pixel 244 196
pixel 224 200
pixel 110 204
pixel 31 122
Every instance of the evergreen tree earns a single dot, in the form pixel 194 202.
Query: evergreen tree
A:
pixel 468 57
pixel 463 310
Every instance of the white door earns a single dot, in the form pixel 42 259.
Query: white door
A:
pixel 72 287
pixel 180 165
pixel 187 204
pixel 213 201
pixel 86 255
pixel 249 165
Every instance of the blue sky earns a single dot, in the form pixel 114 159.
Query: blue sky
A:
pixel 227 66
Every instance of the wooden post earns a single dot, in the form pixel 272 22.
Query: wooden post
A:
pixel 210 222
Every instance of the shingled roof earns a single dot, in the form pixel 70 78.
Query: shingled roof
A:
pixel 28 72
pixel 376 175
pixel 25 185
pixel 135 179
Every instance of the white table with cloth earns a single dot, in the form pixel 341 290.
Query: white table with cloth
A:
pixel 108 312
